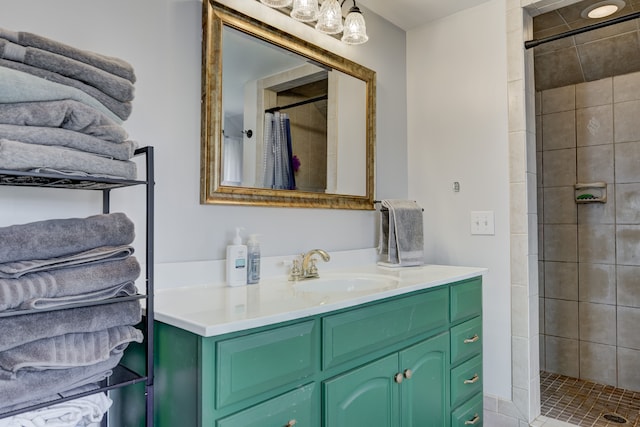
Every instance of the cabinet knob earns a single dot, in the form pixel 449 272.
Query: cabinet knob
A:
pixel 472 339
pixel 291 423
pixel 473 420
pixel 472 380
pixel 398 378
pixel 408 373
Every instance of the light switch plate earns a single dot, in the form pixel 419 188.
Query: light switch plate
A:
pixel 482 223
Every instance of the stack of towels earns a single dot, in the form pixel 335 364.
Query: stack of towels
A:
pixel 56 351
pixel 62 109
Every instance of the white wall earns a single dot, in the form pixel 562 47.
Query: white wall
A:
pixel 162 40
pixel 457 129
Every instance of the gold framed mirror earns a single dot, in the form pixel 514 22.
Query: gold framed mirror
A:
pixel 258 83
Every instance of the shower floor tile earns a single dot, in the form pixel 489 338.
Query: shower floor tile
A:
pixel 587 404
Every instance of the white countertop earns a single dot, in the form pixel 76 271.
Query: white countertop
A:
pixel 209 310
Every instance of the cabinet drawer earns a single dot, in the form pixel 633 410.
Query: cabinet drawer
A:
pixel 466 340
pixel 466 299
pixel 348 335
pixel 469 414
pixel 250 365
pixel 298 407
pixel 466 380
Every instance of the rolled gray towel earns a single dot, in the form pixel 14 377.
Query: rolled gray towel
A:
pixel 18 86
pixel 113 65
pixel 117 108
pixel 56 284
pixel 67 351
pixel 30 386
pixel 66 114
pixel 19 330
pixel 69 139
pixel 17 269
pixel 114 86
pixel 20 156
pixel 57 237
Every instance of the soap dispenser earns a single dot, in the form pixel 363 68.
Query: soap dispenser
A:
pixel 253 260
pixel 237 262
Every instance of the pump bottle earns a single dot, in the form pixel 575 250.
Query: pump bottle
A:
pixel 253 259
pixel 237 262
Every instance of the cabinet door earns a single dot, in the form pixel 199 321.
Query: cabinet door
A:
pixel 424 391
pixel 366 396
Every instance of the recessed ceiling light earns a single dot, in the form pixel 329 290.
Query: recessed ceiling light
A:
pixel 602 9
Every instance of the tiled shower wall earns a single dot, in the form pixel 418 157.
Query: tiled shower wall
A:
pixel 590 253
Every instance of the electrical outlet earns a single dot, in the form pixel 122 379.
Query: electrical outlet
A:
pixel 482 223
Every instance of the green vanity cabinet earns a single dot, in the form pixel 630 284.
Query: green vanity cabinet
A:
pixel 410 360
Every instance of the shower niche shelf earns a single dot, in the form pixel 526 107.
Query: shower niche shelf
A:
pixel 593 192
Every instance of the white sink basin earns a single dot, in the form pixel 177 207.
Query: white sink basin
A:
pixel 347 283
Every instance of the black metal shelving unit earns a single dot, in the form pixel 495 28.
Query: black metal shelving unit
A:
pixel 122 376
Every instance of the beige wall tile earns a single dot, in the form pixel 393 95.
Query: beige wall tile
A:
pixel 597 283
pixel 594 93
pixel 594 125
pixel 628 321
pixel 627 156
pixel 628 286
pixel 561 318
pixel 628 372
pixel 627 203
pixel 596 243
pixel 559 99
pixel 598 363
pixel 560 206
pixel 625 121
pixel 559 130
pixel 559 167
pixel 626 87
pixel 597 323
pixel 595 164
pixel 627 247
pixel 561 356
pixel 561 280
pixel 561 243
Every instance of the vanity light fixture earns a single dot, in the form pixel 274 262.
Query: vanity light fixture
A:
pixel 602 9
pixel 329 17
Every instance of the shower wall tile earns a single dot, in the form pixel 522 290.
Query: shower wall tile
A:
pixel 561 356
pixel 627 244
pixel 538 133
pixel 628 372
pixel 596 243
pixel 541 280
pixel 597 283
pixel 594 125
pixel 561 243
pixel 597 323
pixel 626 158
pixel 540 204
pixel 628 286
pixel 560 206
pixel 598 363
pixel 559 130
pixel 559 167
pixel 595 164
pixel 561 318
pixel 559 99
pixel 626 87
pixel 599 213
pixel 626 123
pixel 628 321
pixel 598 92
pixel 628 203
pixel 541 315
pixel 543 365
pixel 561 280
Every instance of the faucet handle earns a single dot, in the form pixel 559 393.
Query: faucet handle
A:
pixel 295 272
pixel 313 268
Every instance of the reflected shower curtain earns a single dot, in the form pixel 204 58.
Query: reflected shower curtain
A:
pixel 278 154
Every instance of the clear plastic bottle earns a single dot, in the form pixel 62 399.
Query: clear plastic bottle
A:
pixel 253 260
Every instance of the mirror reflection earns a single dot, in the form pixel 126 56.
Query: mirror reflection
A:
pixel 296 122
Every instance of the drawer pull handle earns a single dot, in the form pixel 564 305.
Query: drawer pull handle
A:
pixel 398 378
pixel 474 379
pixel 472 339
pixel 408 373
pixel 294 422
pixel 472 421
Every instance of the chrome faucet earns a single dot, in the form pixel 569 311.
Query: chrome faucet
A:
pixel 309 269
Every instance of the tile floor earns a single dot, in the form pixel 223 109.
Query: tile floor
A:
pixel 569 401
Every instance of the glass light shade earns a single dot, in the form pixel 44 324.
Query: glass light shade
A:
pixel 276 3
pixel 330 19
pixel 355 29
pixel 305 10
pixel 603 11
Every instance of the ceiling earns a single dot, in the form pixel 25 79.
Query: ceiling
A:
pixel 408 14
pixel 594 55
